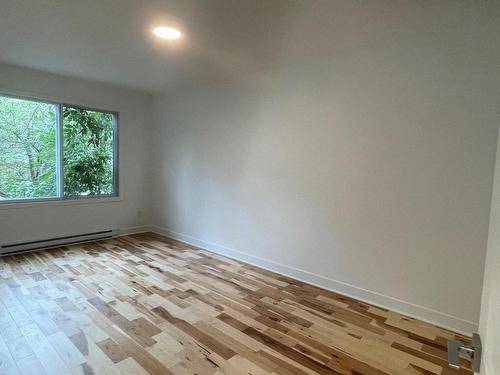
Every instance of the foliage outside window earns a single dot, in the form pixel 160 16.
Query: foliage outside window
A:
pixel 55 151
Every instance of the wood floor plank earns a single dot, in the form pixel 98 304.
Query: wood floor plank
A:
pixel 146 304
pixel 30 366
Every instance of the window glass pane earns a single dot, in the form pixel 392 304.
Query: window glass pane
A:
pixel 88 152
pixel 27 149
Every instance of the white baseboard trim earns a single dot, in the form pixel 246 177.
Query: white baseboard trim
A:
pixel 407 308
pixel 133 230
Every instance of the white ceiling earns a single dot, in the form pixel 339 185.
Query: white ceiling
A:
pixel 111 41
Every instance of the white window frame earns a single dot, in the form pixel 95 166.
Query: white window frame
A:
pixel 61 198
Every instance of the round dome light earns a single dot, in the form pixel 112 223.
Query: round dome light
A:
pixel 167 33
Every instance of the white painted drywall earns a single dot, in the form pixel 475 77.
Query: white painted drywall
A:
pixel 20 223
pixel 489 327
pixel 368 169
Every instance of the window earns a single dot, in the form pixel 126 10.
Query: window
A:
pixel 88 153
pixel 56 151
pixel 27 149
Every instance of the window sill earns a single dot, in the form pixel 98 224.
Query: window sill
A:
pixel 58 202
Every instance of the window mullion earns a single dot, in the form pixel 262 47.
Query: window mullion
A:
pixel 60 151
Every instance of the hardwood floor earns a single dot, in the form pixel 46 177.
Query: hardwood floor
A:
pixel 145 304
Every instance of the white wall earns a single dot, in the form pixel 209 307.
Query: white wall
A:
pixel 20 223
pixel 490 304
pixel 368 171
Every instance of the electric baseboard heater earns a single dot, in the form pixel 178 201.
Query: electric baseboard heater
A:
pixel 20 247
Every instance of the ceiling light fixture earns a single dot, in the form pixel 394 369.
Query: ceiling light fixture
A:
pixel 167 33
